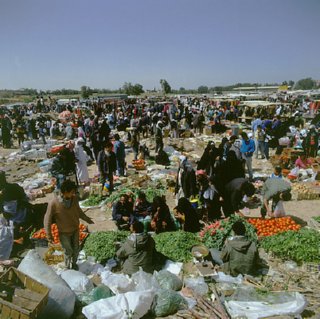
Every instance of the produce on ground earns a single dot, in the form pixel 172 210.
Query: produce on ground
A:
pixel 299 246
pixel 176 245
pixel 102 245
pixel 93 200
pixel 305 191
pixel 41 233
pixel 215 234
pixel 268 227
pixel 151 192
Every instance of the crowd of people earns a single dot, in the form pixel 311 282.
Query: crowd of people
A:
pixel 102 133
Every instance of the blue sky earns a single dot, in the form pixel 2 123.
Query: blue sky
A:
pixel 100 43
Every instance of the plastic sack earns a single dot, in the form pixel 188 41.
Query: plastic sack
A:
pixel 294 172
pixel 77 281
pixel 284 141
pixel 279 210
pixel 100 292
pixel 198 285
pixel 168 302
pixel 167 280
pixel 89 268
pixel 222 277
pixel 6 238
pixel 262 309
pixel 133 304
pixel 118 283
pixel 173 267
pixel 61 298
pixel 144 281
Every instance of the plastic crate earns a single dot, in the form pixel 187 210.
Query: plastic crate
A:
pixel 22 296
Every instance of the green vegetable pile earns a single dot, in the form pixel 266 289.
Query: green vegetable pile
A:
pixel 93 200
pixel 101 245
pixel 214 235
pixel 151 192
pixel 176 245
pixel 316 218
pixel 301 246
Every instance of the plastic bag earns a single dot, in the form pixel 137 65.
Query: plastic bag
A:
pixel 222 277
pixel 118 283
pixel 144 281
pixel 282 304
pixel 6 238
pixel 279 210
pixel 168 302
pixel 100 292
pixel 294 172
pixel 133 304
pixel 61 298
pixel 167 280
pixel 88 268
pixel 77 281
pixel 198 285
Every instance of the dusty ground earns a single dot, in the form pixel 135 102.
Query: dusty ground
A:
pixel 18 170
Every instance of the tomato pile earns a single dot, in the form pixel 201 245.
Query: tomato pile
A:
pixel 269 227
pixel 41 234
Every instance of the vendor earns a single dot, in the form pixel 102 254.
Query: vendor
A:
pixel 142 210
pixel 303 162
pixel 277 172
pixel 187 216
pixel 161 219
pixel 13 201
pixel 233 195
pixel 122 212
pixel 66 212
pixel 239 255
pixel 137 251
pixel 277 190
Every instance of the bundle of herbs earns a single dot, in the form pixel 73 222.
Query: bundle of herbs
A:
pixel 102 245
pixel 176 245
pixel 299 246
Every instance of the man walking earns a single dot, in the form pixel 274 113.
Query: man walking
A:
pixel 247 149
pixel 66 211
pixel 119 150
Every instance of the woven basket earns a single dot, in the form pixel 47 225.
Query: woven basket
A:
pixel 52 259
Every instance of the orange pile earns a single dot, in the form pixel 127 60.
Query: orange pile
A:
pixel 269 227
pixel 41 234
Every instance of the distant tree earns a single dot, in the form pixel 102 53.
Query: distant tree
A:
pixel 182 90
pixel 131 89
pixel 305 84
pixel 85 91
pixel 203 89
pixel 165 86
pixel 218 89
pixel 284 83
pixel 291 83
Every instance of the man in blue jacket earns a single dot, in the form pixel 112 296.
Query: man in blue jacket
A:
pixel 119 150
pixel 247 149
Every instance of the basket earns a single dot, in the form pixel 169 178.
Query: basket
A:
pixel 22 297
pixel 51 258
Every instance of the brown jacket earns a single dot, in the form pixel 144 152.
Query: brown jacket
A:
pixel 67 219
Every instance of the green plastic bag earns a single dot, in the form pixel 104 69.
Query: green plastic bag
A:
pixel 168 302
